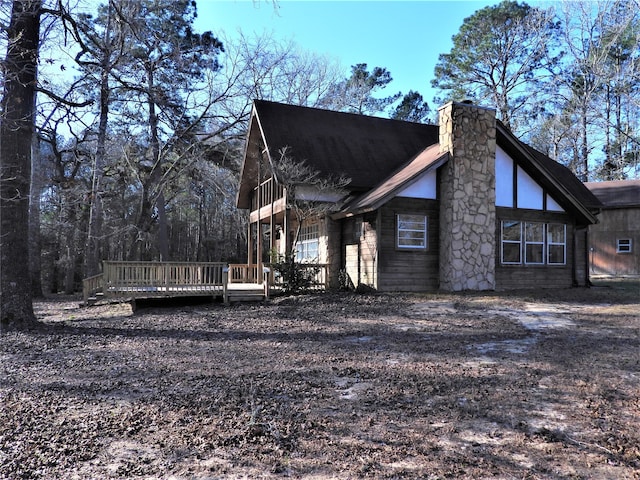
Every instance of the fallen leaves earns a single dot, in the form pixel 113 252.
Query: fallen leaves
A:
pixel 335 385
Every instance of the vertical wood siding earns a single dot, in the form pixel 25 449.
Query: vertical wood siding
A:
pixel 360 239
pixel 402 270
pixel 615 224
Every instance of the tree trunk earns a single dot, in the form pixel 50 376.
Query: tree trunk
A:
pixel 35 243
pixel 94 234
pixel 16 130
pixel 156 174
pixel 152 193
pixel 584 153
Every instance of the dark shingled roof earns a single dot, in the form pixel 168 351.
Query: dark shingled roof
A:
pixel 383 155
pixel 617 193
pixel 365 149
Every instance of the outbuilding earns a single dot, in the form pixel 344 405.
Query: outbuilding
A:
pixel 613 242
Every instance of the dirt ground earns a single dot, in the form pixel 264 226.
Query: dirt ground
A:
pixel 507 386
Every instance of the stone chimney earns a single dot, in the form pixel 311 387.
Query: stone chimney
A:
pixel 467 198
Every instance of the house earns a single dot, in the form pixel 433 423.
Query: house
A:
pixel 615 239
pixel 463 205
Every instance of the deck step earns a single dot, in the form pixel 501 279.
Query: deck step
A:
pixel 90 301
pixel 245 296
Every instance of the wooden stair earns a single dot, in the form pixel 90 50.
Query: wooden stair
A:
pixel 97 296
pixel 245 293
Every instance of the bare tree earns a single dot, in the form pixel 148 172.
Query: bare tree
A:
pixel 101 49
pixel 586 94
pixel 311 194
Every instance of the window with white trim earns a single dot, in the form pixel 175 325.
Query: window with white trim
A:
pixel 307 246
pixel 556 244
pixel 624 245
pixel 511 242
pixel 533 243
pixel 411 231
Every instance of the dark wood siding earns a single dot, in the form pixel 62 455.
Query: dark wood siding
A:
pixel 542 276
pixel 332 238
pixel 615 224
pixel 360 243
pixel 350 251
pixel 582 259
pixel 402 270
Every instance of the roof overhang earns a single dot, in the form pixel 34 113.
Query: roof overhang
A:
pixel 427 160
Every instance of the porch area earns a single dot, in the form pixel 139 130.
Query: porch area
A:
pixel 231 282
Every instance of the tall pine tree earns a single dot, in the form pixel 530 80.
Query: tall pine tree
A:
pixel 16 133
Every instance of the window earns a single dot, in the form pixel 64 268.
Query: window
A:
pixel 357 230
pixel 624 245
pixel 534 243
pixel 511 242
pixel 556 244
pixel 411 231
pixel 308 244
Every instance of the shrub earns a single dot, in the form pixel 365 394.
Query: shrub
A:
pixel 295 277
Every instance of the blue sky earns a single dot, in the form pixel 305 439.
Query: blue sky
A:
pixel 405 37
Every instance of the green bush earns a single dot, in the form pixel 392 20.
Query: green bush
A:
pixel 295 277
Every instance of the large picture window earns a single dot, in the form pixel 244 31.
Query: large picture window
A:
pixel 307 246
pixel 411 231
pixel 533 243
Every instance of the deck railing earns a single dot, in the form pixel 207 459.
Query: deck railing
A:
pixel 238 273
pixel 316 273
pixel 243 273
pixel 266 193
pixel 156 279
pixel 167 279
pixel 92 285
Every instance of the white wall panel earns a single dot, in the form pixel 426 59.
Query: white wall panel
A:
pixel 424 187
pixel 504 179
pixel 530 194
pixel 552 205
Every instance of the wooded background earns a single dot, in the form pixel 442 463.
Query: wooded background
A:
pixel 139 121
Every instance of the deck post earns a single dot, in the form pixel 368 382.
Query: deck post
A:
pixel 265 278
pixel 167 272
pixel 225 283
pixel 249 243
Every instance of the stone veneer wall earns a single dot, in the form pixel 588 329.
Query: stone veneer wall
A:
pixel 467 198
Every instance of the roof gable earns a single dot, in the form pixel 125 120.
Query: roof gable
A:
pixel 555 178
pixel 382 156
pixel 428 159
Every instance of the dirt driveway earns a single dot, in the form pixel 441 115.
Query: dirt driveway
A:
pixel 517 386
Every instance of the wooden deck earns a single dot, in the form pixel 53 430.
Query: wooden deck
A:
pixel 139 280
pixel 231 282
